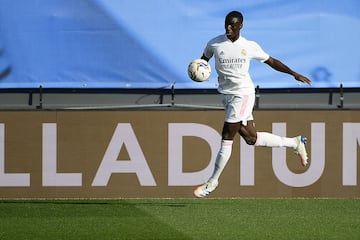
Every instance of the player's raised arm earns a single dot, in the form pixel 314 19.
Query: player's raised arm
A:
pixel 205 58
pixel 281 67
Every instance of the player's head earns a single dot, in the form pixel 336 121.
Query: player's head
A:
pixel 235 14
pixel 233 24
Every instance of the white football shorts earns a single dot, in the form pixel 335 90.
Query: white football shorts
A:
pixel 239 108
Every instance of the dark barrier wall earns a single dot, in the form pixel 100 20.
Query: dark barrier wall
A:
pixel 122 154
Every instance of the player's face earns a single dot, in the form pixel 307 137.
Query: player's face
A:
pixel 232 28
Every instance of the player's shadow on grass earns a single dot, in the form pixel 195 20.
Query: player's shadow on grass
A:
pixel 96 219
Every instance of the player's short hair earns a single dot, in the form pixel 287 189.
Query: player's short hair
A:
pixel 235 14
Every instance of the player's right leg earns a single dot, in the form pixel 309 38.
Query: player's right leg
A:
pixel 223 156
pixel 206 189
pixel 238 109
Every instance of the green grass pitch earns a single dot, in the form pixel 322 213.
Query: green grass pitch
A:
pixel 180 219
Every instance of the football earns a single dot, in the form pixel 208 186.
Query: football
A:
pixel 199 70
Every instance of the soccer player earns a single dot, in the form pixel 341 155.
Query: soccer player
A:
pixel 232 53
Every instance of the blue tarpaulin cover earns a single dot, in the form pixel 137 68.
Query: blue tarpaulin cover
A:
pixel 149 44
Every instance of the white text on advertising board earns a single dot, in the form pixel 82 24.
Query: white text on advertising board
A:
pixel 124 136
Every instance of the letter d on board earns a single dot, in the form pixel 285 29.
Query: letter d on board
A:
pixel 176 133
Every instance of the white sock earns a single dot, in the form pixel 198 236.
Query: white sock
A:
pixel 271 140
pixel 221 159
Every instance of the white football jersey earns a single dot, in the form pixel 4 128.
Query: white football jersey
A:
pixel 232 62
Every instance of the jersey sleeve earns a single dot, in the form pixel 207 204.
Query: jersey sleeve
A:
pixel 208 51
pixel 258 53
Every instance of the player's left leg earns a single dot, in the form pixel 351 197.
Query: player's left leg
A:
pixel 252 137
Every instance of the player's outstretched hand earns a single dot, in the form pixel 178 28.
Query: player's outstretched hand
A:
pixel 302 79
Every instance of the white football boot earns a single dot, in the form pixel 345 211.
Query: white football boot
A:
pixel 300 149
pixel 205 189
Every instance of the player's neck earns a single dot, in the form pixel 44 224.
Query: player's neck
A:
pixel 233 38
